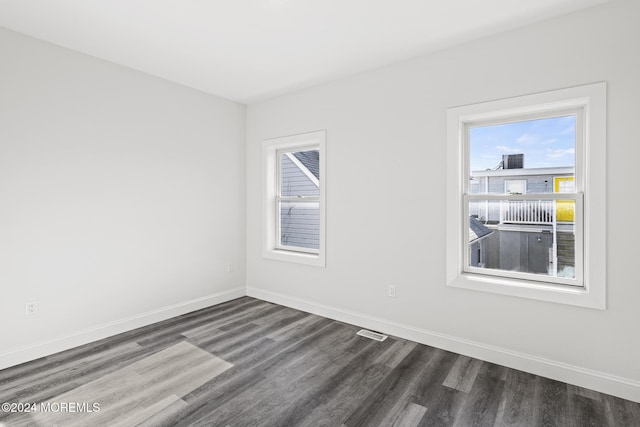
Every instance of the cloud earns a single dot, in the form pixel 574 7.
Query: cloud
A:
pixel 561 152
pixel 569 130
pixel 531 139
pixel 528 139
pixel 507 149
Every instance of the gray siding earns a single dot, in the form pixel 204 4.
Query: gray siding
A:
pixel 300 225
pixel 535 183
pixel 477 251
pixel 525 252
pixel 492 250
pixel 299 221
pixel 294 181
pixel 522 251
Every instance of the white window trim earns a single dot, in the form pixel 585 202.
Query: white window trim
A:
pixel 590 180
pixel 270 241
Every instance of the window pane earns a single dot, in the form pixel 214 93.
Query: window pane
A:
pixel 300 173
pixel 300 224
pixel 531 156
pixel 529 236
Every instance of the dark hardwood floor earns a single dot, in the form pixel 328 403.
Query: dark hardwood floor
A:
pixel 253 363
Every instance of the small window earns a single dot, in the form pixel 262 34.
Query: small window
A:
pixel 565 184
pixel 294 198
pixel 515 186
pixel 298 200
pixel 519 168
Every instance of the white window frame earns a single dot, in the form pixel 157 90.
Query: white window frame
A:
pixel 272 149
pixel 589 288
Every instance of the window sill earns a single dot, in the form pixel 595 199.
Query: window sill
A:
pixel 562 294
pixel 295 257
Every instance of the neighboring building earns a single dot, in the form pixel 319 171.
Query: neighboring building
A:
pixel 477 242
pixel 300 222
pixel 531 236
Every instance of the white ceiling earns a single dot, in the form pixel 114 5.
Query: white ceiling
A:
pixel 249 50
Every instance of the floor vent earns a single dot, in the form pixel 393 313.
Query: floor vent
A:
pixel 373 335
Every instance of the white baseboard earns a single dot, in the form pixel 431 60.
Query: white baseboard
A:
pixel 36 351
pixel 594 380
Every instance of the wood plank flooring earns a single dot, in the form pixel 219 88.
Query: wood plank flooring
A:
pixel 252 363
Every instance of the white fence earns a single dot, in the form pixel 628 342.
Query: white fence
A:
pixel 527 211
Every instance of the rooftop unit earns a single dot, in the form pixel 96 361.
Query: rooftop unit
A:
pixel 512 161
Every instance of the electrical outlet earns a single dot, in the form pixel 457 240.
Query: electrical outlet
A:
pixel 392 290
pixel 31 308
pixel 229 267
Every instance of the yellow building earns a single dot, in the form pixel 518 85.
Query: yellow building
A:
pixel 564 208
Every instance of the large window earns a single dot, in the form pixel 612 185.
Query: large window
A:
pixel 526 190
pixel 294 198
pixel 528 238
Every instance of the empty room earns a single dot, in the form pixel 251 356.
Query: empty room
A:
pixel 319 213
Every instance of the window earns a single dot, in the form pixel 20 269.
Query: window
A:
pixel 298 200
pixel 526 183
pixel 294 198
pixel 515 186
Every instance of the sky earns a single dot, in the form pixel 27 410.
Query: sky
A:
pixel 544 142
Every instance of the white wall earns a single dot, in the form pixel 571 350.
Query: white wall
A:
pixel 122 198
pixel 386 136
